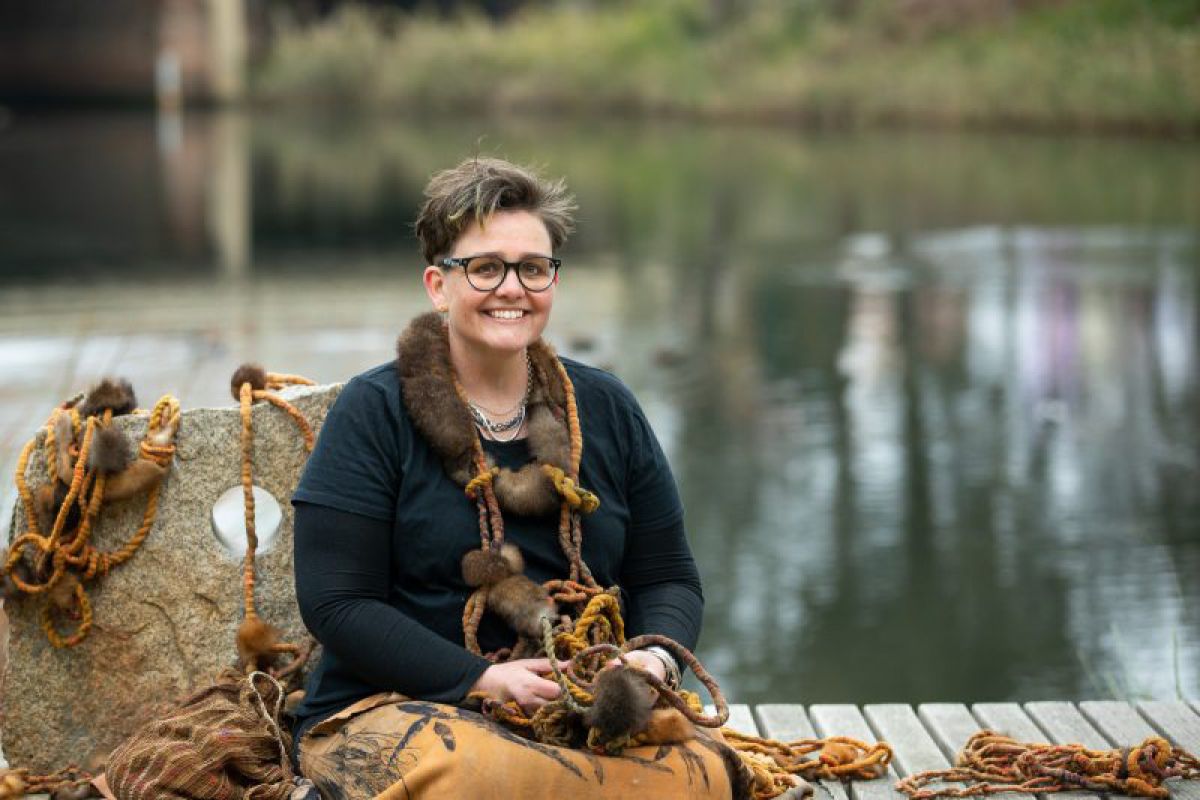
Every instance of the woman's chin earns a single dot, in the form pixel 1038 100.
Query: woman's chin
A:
pixel 505 342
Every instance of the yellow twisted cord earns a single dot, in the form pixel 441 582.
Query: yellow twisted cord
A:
pixel 85 621
pixel 602 608
pixel 50 447
pixel 483 479
pixel 23 487
pixel 572 493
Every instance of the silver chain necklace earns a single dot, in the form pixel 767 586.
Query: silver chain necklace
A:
pixel 513 423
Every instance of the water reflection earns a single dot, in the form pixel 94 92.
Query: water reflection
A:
pixel 930 399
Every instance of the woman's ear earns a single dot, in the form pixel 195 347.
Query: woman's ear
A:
pixel 435 287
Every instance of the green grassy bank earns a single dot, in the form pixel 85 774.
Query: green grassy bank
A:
pixel 1102 65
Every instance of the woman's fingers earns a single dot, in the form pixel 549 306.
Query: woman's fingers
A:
pixel 541 666
pixel 535 693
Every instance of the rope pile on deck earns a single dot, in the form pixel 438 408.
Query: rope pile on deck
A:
pixel 991 763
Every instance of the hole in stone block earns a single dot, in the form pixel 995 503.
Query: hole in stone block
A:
pixel 229 520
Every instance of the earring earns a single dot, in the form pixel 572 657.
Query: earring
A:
pixel 443 309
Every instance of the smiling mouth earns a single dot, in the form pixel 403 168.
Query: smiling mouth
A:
pixel 506 313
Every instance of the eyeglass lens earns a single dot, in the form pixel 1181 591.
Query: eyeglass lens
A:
pixel 487 272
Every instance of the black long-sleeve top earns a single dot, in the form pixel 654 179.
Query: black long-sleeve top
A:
pixel 380 531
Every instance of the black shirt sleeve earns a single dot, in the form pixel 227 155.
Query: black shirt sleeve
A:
pixel 342 564
pixel 355 465
pixel 658 572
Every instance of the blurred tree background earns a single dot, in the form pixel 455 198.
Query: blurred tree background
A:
pixel 1113 65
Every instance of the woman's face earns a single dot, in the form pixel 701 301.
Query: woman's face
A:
pixel 509 317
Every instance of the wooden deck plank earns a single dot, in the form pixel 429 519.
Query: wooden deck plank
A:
pixel 1011 720
pixel 741 719
pixel 1123 726
pixel 951 725
pixel 784 722
pixel 915 749
pixel 1174 719
pixel 788 723
pixel 1120 722
pixel 1066 725
pixel 847 720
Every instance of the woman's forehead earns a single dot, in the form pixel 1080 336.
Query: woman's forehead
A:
pixel 519 232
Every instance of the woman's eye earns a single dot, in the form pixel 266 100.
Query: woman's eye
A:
pixel 484 269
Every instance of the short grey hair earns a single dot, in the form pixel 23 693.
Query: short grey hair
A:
pixel 477 188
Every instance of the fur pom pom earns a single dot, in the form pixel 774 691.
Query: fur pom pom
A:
pixel 512 556
pixel 62 594
pixel 255 639
pixel 110 450
pixel 521 603
pixel 622 706
pixel 48 500
pixel 486 568
pixel 110 393
pixel 253 374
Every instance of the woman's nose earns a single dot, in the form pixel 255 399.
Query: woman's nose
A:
pixel 510 285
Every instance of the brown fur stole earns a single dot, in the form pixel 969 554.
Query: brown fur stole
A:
pixel 427 385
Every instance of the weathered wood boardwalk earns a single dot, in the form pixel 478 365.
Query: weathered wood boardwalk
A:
pixel 928 736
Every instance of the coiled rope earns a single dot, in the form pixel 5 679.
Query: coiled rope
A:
pixel 991 763
pixel 68 553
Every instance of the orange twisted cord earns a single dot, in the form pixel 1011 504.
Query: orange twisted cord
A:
pixel 127 550
pixel 573 428
pixel 247 395
pixel 73 549
pixel 277 380
pixel 990 763
pixel 85 621
pixel 472 614
pixel 246 398
pixel 21 782
pixel 23 487
pixel 292 411
pixel 77 480
pixel 839 758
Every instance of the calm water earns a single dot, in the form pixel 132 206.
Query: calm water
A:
pixel 931 400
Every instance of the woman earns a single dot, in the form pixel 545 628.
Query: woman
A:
pixel 382 523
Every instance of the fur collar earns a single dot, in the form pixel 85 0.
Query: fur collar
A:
pixel 427 385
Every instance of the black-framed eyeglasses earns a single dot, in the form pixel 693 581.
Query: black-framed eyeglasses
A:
pixel 486 273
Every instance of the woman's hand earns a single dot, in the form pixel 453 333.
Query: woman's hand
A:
pixel 643 660
pixel 521 680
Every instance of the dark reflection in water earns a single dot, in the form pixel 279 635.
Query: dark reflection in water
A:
pixel 931 399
